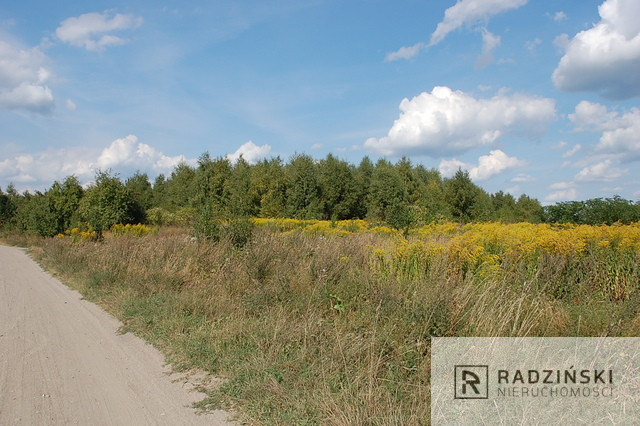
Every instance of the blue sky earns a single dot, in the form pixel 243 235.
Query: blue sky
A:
pixel 535 97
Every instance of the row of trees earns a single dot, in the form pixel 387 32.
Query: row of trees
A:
pixel 401 195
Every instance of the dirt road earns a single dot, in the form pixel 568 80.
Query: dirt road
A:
pixel 62 361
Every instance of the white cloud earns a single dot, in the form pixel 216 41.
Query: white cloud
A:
pixel 600 172
pixel 448 168
pixel 488 166
pixel 591 116
pixel 605 58
pixel 464 12
pixel 124 155
pixel 522 177
pixel 447 122
pixel 130 154
pixel 92 30
pixel 620 132
pixel 71 106
pixel 468 12
pixel 316 146
pixel 622 137
pixel 251 152
pixel 562 185
pixel 570 194
pixel 562 42
pixel 23 78
pixel 533 44
pixel 559 16
pixel 577 147
pixel 406 52
pixel 563 191
pixel 489 43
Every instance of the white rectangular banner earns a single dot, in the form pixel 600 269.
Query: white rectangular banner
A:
pixel 535 380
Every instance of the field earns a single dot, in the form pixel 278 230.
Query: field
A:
pixel 319 322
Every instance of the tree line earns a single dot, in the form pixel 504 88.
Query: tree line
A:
pixel 400 194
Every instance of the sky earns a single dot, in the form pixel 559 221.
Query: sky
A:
pixel 531 97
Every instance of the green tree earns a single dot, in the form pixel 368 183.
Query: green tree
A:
pixel 362 176
pixel 466 200
pixel 269 187
pixel 303 189
pixel 528 209
pixel 7 208
pixel 564 212
pixel 211 184
pixel 64 200
pixel 338 189
pixel 35 215
pixel 180 188
pixel 140 189
pixel 388 196
pixel 243 202
pixel 430 200
pixel 107 202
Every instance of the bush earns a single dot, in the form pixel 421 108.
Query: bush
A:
pixel 238 231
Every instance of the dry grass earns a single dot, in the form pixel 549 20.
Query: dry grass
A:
pixel 335 329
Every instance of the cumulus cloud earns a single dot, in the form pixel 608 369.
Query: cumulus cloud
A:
pixel 93 30
pixel 124 155
pixel 128 153
pixel 591 116
pixel 489 43
pixel 620 132
pixel 251 152
pixel 446 122
pixel 605 58
pixel 488 166
pixel 23 78
pixel 71 106
pixel 600 172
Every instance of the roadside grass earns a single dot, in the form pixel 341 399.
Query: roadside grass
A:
pixel 334 328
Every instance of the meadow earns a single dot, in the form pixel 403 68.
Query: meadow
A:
pixel 329 322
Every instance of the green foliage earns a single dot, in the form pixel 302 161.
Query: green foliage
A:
pixel 207 224
pixel 108 202
pixel 269 187
pixel 178 190
pixel 64 201
pixel 402 195
pixel 593 211
pixel 466 200
pixel 387 194
pixel 7 208
pixel 242 200
pixel 238 231
pixel 140 190
pixel 340 193
pixel 35 215
pixel 528 209
pixel 211 182
pixel 303 189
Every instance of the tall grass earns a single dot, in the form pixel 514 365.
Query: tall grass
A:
pixel 334 327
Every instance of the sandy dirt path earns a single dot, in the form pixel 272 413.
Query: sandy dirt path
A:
pixel 62 361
